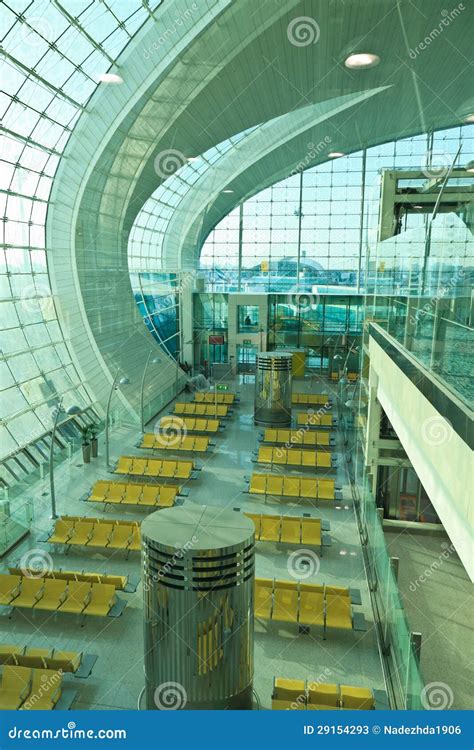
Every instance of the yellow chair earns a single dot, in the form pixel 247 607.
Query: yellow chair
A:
pixel 148 440
pixel 101 535
pixel 31 592
pixel 308 488
pixel 270 435
pixel 270 528
pixel 294 457
pixel 279 456
pixel 258 484
pixel 124 465
pixel 265 455
pixel 121 537
pixel 285 601
pixel 68 661
pixel 290 530
pixel 324 460
pixel 291 486
pixel 263 598
pixel 326 489
pixel 357 698
pixel 82 533
pixel 201 444
pixel 257 522
pixel 10 586
pixel 34 658
pixel 138 467
pixel 312 607
pixel 309 459
pixel 78 595
pixel 150 494
pixel 153 467
pixel 9 654
pixel 167 497
pixel 288 694
pixel 117 492
pixel 99 491
pixel 338 610
pixel 133 493
pixel 45 690
pixel 135 544
pixel 274 484
pixel 102 599
pixel 63 531
pixel 322 696
pixel 54 594
pixel 183 469
pixel 15 688
pixel 311 532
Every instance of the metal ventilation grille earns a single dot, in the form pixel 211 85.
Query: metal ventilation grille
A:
pixel 274 363
pixel 189 571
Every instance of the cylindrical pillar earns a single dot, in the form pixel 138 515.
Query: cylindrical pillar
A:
pixel 273 388
pixel 198 578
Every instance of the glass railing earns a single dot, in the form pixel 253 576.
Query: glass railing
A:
pixel 401 661
pixel 15 521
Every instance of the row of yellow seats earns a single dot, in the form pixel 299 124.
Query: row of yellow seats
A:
pixel 177 442
pixel 312 419
pixel 152 495
pixel 320 696
pixel 154 467
pixel 310 398
pixel 96 532
pixel 81 576
pixel 209 645
pixel 294 457
pixel 29 689
pixel 303 603
pixel 200 410
pixel 55 595
pixel 189 424
pixel 212 398
pixel 40 658
pixel 297 437
pixel 292 486
pixel 288 529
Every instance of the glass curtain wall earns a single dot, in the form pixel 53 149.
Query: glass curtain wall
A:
pixel 314 228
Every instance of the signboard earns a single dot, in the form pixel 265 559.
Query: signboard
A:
pixel 216 339
pixel 247 342
pixel 222 387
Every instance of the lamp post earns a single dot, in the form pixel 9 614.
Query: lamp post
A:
pixel 115 386
pixel 154 361
pixel 59 410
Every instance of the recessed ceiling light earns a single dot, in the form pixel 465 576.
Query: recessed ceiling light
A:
pixel 192 158
pixel 417 205
pixel 110 78
pixel 227 191
pixel 335 154
pixel 469 117
pixel 470 167
pixel 361 60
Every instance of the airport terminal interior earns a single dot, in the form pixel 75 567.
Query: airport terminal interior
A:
pixel 236 390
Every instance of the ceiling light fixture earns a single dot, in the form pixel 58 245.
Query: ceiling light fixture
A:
pixel 189 159
pixel 361 61
pixel 335 154
pixel 227 191
pixel 470 167
pixel 110 78
pixel 469 117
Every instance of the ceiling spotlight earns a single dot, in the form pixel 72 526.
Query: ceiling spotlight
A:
pixel 470 167
pixel 189 159
pixel 110 78
pixel 469 117
pixel 361 60
pixel 227 191
pixel 336 154
pixel 417 205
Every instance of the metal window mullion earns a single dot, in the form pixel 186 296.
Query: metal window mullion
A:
pixel 362 211
pixel 29 142
pixel 31 73
pixel 74 22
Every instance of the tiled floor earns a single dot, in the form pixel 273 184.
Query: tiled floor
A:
pixel 116 681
